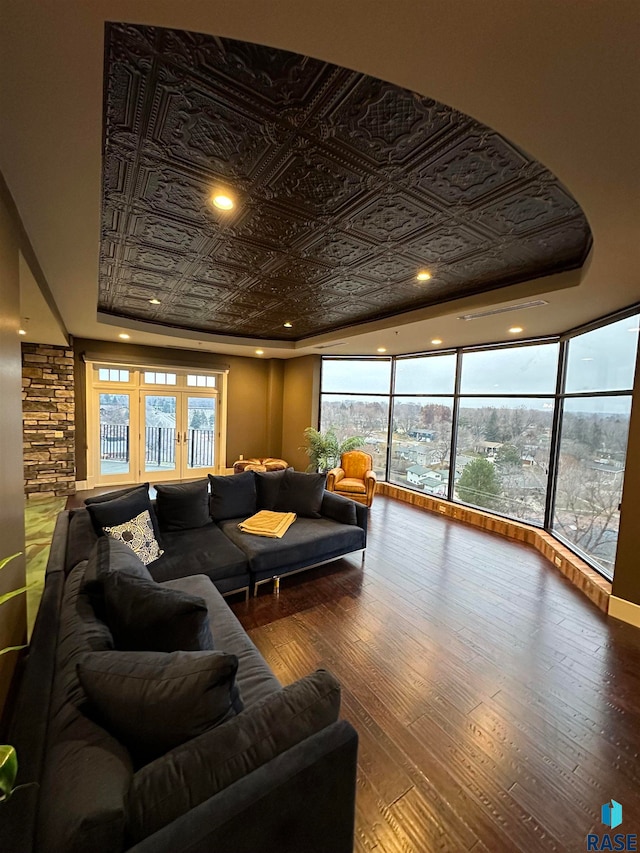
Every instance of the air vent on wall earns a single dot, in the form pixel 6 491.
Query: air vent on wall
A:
pixel 535 303
pixel 326 346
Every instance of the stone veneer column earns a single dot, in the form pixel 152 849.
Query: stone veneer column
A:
pixel 48 420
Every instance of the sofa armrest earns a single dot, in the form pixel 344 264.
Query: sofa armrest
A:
pixel 338 508
pixel 302 800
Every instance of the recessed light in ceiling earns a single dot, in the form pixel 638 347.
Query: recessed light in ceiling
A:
pixel 515 330
pixel 223 201
pixel 423 275
pixel 382 349
pixel 436 341
pixel 288 325
pixel 21 332
pixel 124 336
pixel 634 329
pixel 154 301
pixel 586 359
pixel 259 352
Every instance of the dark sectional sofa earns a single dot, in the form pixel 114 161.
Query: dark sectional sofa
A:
pixel 276 772
pixel 235 560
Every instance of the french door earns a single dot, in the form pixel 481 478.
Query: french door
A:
pixel 177 434
pixel 155 435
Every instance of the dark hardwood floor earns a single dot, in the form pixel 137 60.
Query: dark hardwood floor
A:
pixel 497 708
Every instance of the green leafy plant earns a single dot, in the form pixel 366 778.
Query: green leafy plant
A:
pixel 8 757
pixel 324 449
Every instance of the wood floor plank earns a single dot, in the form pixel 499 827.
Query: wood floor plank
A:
pixel 497 707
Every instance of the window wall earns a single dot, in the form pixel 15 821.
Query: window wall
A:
pixel 535 431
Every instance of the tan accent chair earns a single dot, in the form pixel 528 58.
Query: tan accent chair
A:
pixel 267 463
pixel 355 478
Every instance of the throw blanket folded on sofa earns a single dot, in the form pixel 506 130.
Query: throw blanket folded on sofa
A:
pixel 268 523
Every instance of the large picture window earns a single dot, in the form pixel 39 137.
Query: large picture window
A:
pixel 535 432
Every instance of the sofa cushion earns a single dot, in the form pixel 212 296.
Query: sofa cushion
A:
pixel 153 701
pixel 87 771
pixel 108 513
pixel 232 496
pixel 80 539
pixel 301 493
pixel 267 489
pixel 199 769
pixel 144 616
pixel 205 550
pixel 139 535
pixel 255 678
pixel 183 506
pixel 308 541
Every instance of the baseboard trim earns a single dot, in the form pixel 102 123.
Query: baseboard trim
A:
pixel 587 580
pixel 624 610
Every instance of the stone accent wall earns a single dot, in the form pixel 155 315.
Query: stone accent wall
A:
pixel 49 420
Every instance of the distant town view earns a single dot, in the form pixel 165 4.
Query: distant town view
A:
pixel 503 434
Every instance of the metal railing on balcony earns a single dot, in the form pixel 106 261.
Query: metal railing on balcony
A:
pixel 160 445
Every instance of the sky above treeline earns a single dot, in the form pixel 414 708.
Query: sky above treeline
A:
pixel 601 360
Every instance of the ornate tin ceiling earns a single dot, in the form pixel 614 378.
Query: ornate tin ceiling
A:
pixel 346 185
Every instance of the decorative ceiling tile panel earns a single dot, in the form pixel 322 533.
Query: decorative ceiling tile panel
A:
pixel 345 186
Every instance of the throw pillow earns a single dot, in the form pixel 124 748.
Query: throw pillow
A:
pixel 152 701
pixel 145 616
pixel 267 488
pixel 139 535
pixel 124 508
pixel 233 496
pixel 338 508
pixel 109 555
pixel 183 506
pixel 191 773
pixel 301 493
pixel 119 493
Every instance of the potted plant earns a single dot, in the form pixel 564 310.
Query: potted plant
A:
pixel 8 757
pixel 324 449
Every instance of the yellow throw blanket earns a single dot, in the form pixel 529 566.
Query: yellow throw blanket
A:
pixel 268 523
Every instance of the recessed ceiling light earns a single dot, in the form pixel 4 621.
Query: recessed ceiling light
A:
pixel 223 201
pixel 154 301
pixel 382 349
pixel 515 330
pixel 124 336
pixel 21 332
pixel 423 275
pixel 288 325
pixel 634 329
pixel 259 352
pixel 436 341
pixel 586 359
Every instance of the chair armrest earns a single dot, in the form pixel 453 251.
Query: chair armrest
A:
pixel 334 476
pixel 370 475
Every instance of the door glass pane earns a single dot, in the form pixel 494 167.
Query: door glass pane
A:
pixel 502 455
pixel 593 449
pixel 604 359
pixel 114 434
pixel 160 432
pixel 511 370
pixel 201 418
pixel 421 443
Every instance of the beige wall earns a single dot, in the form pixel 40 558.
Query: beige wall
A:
pixel 300 406
pixel 12 614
